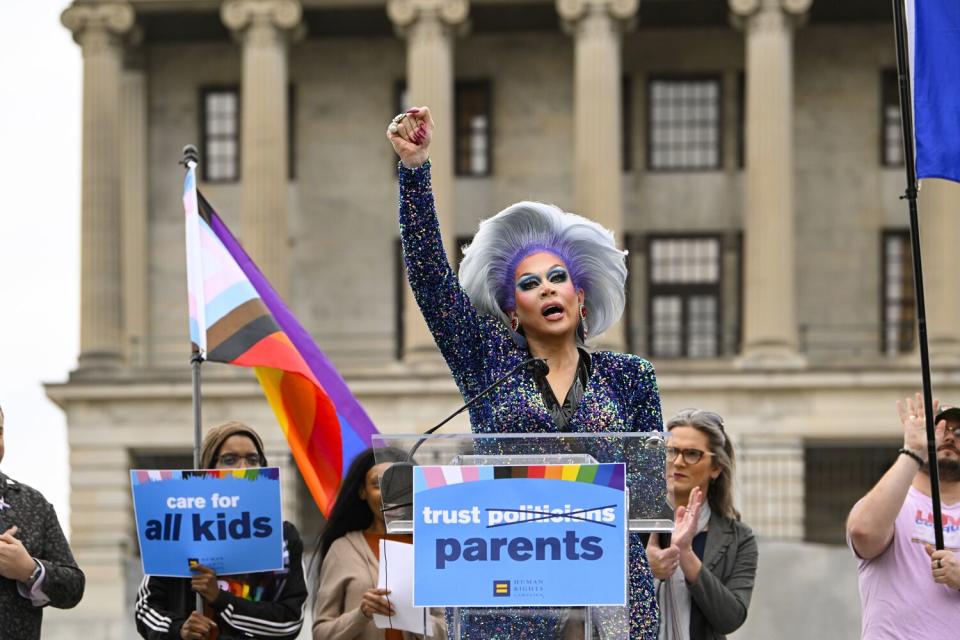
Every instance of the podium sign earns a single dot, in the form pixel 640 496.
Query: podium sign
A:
pixel 520 536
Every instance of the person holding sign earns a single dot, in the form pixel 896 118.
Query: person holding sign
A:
pixel 705 573
pixel 534 282
pixel 257 605
pixel 348 553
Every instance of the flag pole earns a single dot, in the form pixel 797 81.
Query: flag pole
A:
pixel 191 158
pixel 910 195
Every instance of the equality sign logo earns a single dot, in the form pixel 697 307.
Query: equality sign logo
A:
pixel 545 535
pixel 228 520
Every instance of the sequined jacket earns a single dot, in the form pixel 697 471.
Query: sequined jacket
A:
pixel 621 393
pixel 62 584
pixel 257 605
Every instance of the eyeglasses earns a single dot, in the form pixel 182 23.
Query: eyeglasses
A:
pixel 690 456
pixel 232 459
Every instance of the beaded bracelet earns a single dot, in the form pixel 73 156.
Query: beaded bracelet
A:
pixel 903 451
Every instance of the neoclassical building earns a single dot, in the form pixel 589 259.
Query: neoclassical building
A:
pixel 746 152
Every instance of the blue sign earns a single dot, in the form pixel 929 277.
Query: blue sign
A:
pixel 519 536
pixel 227 520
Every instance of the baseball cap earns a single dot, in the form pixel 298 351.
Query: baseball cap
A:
pixel 947 412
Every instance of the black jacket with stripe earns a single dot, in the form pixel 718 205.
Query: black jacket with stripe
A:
pixel 266 605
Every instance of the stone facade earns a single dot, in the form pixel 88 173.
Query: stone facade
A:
pixel 810 212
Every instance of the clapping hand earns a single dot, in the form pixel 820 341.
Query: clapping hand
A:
pixel 410 133
pixel 664 562
pixel 685 521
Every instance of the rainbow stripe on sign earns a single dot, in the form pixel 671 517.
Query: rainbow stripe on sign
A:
pixel 605 475
pixel 141 476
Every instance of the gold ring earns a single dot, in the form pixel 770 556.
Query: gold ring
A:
pixel 939 564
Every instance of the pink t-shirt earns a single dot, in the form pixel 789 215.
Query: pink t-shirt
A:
pixel 897 592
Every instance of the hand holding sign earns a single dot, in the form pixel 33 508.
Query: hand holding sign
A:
pixel 204 582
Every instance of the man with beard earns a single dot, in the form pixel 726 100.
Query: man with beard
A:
pixel 907 588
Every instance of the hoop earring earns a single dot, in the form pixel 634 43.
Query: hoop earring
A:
pixel 515 323
pixel 583 321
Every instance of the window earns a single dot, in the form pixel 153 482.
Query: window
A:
pixel 220 132
pixel 835 476
pixel 683 124
pixel 472 106
pixel 891 134
pixel 898 306
pixel 684 276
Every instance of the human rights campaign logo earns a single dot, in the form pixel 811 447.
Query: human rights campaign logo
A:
pixel 501 588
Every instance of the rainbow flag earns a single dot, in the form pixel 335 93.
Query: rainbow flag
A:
pixel 236 317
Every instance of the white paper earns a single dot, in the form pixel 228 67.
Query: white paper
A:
pixel 396 574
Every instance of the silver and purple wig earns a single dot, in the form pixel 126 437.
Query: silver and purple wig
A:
pixel 525 228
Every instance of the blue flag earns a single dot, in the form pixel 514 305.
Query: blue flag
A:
pixel 934 33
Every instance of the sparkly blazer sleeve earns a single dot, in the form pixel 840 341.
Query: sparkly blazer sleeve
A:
pixel 460 332
pixel 646 398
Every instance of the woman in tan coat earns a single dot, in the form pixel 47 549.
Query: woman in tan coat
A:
pixel 347 596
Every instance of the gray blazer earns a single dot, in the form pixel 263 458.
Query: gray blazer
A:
pixel 721 596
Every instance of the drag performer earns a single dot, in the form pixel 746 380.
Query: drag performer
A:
pixel 535 282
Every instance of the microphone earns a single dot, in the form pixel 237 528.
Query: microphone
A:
pixel 396 483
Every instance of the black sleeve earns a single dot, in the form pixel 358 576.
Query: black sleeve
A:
pixel 281 617
pixel 155 612
pixel 63 580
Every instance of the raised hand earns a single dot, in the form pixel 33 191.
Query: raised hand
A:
pixel 914 423
pixel 410 134
pixel 663 562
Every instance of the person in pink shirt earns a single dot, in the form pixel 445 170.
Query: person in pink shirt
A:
pixel 907 588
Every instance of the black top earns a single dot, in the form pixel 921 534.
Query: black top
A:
pixel 258 605
pixel 563 413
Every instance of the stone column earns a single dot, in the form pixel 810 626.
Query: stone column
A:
pixel 99 29
pixel 265 28
pixel 939 204
pixel 596 26
pixel 429 27
pixel 133 198
pixel 769 310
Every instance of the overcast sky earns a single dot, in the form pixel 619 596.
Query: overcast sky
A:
pixel 40 99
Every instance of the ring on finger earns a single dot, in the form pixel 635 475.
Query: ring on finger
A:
pixel 397 119
pixel 392 128
pixel 939 563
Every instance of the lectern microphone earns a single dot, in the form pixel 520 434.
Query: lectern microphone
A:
pixel 396 484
